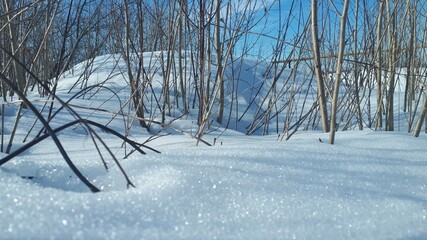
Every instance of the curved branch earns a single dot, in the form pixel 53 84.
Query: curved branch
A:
pixel 51 133
pixel 65 126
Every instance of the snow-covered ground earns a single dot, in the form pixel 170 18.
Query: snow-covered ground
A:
pixel 369 185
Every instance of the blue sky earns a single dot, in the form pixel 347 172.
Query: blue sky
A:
pixel 299 13
pixel 276 18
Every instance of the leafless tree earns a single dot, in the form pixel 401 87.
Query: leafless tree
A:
pixel 343 20
pixel 318 67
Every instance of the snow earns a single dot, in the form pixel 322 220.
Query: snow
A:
pixel 369 185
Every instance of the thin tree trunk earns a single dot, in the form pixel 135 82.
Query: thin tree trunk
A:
pixel 13 28
pixel 134 83
pixel 410 80
pixel 356 70
pixel 201 44
pixel 392 36
pixel 334 107
pixel 220 76
pixel 180 57
pixel 421 118
pixel 379 121
pixel 318 67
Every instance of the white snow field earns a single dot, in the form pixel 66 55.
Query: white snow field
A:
pixel 369 185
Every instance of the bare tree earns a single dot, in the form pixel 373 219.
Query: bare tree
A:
pixel 220 75
pixel 318 67
pixel 379 66
pixel 130 50
pixel 334 108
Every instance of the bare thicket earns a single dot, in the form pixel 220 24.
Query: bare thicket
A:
pixel 259 67
pixel 45 39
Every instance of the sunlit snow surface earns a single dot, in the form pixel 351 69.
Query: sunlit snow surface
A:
pixel 367 186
